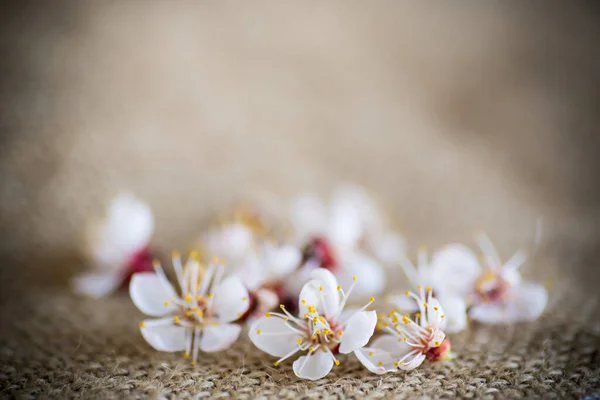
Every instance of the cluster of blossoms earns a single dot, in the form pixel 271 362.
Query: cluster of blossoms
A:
pixel 296 290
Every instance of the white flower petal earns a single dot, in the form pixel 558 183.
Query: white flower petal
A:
pixel 309 216
pixel 126 229
pixel 316 367
pixel 217 338
pixel 455 313
pixel 331 295
pixel 96 285
pixel 309 296
pixel 275 337
pixel 345 224
pixel 403 303
pixel 150 294
pixel 370 275
pixel 529 301
pixel 231 241
pixel 524 303
pixel 282 260
pixel 230 299
pixel 380 356
pixel 413 362
pixel 492 313
pixel 358 331
pixel 455 269
pixel 388 247
pixel 164 337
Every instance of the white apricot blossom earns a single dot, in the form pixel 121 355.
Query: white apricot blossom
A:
pixel 348 237
pixel 455 306
pixel 495 291
pixel 407 343
pixel 116 247
pixel 200 316
pixel 321 330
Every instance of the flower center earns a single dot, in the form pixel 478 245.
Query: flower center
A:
pixel 441 352
pixel 319 249
pixel 490 287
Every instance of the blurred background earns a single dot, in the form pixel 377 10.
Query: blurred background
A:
pixel 459 117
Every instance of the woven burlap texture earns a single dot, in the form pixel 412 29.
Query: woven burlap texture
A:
pixel 55 344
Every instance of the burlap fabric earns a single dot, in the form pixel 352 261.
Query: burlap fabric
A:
pixel 56 345
pixel 459 116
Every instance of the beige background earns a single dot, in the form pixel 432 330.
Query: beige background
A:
pixel 460 117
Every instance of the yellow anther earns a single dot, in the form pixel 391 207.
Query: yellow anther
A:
pixel 281 306
pixel 318 332
pixel 215 323
pixel 425 304
pixel 195 255
pixel 210 295
pixel 341 333
pixel 285 318
pixel 322 319
pixel 337 362
pixel 339 288
pixel 400 339
pixel 372 299
pixel 223 261
pixel 378 326
pixel 315 319
pixel 442 316
pixel 429 289
pixel 200 313
pixel 303 301
pixel 276 363
pixel 215 260
pixel 194 363
pixel 320 288
pixel 239 315
pixel 395 363
pixel 314 337
pixel 435 308
pixel 268 314
pixel 405 339
pixel 188 298
pixel 436 343
pixel 186 355
pixel 420 287
pixel 188 313
pixel 354 278
pixel 305 315
pixel 299 341
pixel 418 315
pixel 175 254
pixel 258 331
pixel 176 319
pixel 370 354
pixel 379 363
pixel 155 263
pixel 407 293
pixel 311 349
pixel 142 325
pixel 327 332
pixel 244 298
pixel 385 324
pixel 166 303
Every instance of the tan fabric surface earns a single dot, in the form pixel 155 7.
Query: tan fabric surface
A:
pixel 56 345
pixel 460 117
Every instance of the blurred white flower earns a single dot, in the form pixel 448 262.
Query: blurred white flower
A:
pixel 322 328
pixel 349 238
pixel 116 246
pixel 408 343
pixel 454 304
pixel 495 292
pixel 199 317
pixel 264 271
